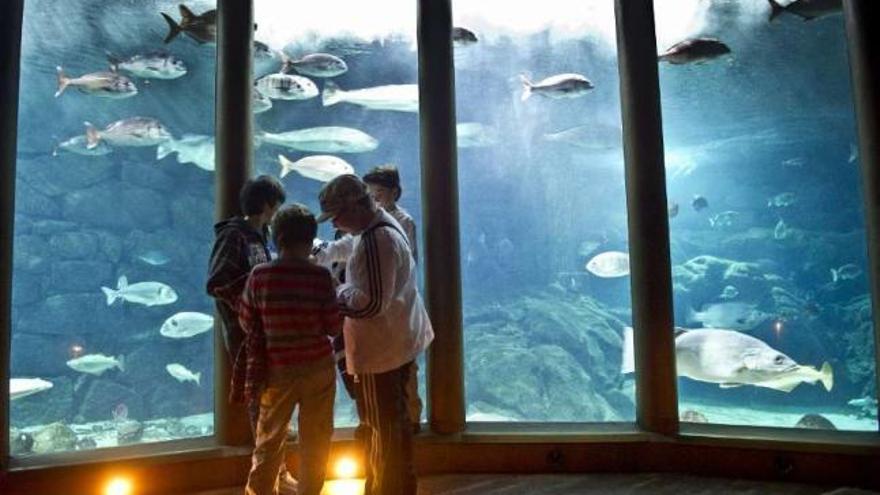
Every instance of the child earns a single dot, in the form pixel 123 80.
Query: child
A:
pixel 288 312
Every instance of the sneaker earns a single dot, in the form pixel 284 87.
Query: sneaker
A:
pixel 287 484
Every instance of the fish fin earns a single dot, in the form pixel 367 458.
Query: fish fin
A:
pixel 834 276
pixel 527 87
pixel 286 165
pixel 853 152
pixel 63 81
pixel 332 94
pixel 775 10
pixel 111 294
pixel 627 363
pixel 173 27
pixel 186 14
pixel 730 385
pixel 92 136
pixel 198 377
pixel 827 376
pixel 122 282
pixel 121 360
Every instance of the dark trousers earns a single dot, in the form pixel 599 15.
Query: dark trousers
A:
pixel 388 433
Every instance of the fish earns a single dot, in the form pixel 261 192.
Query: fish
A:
pixel 202 28
pixel 394 97
pixel 462 37
pixel 695 50
pixel 699 202
pixel 181 374
pixel 316 65
pixel 152 65
pixel 805 9
pixel 323 168
pixel 559 86
pixel 609 264
pixel 286 87
pixel 672 209
pixel 781 231
pixel 475 135
pixel 590 137
pixel 133 131
pixel 853 153
pixel 146 293
pixel 733 315
pixel 107 84
pixel 191 148
pixel 22 387
pixel 729 292
pixel 96 364
pixel 79 145
pixel 867 406
pixel 186 324
pixel 723 219
pixel 733 359
pixel 330 139
pixel 782 200
pixel 796 162
pixel 259 102
pixel 848 271
pixel 154 257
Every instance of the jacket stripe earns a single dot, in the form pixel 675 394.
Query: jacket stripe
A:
pixel 374 278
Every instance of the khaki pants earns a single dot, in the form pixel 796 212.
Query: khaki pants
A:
pixel 314 393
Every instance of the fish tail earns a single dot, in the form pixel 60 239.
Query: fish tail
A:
pixel 122 282
pixel 92 135
pixel 775 10
pixel 332 94
pixel 63 81
pixel 286 165
pixel 121 360
pixel 827 376
pixel 111 294
pixel 198 377
pixel 527 87
pixel 628 362
pixel 173 27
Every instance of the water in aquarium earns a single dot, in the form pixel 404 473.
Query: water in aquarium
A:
pixel 112 329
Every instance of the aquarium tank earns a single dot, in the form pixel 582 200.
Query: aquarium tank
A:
pixel 112 340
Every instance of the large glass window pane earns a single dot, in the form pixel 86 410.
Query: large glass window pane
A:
pixel 111 329
pixel 768 247
pixel 336 91
pixel 543 220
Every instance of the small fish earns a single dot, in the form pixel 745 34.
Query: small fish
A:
pixel 316 65
pixel 79 145
pixel 863 402
pixel 796 162
pixel 106 84
pixel 181 374
pixel 475 135
pixel 394 97
pixel 781 231
pixel 729 292
pixel 462 37
pixel 186 324
pixel 153 65
pixel 329 139
pixel 202 28
pixel 672 209
pixel 731 315
pixel 848 271
pixel 590 137
pixel 696 50
pixel 22 387
pixel 853 153
pixel 806 9
pixel 699 202
pixel 259 102
pixel 610 264
pixel 782 200
pixel 96 364
pixel 558 86
pixel 286 87
pixel 146 293
pixel 723 219
pixel 154 257
pixel 133 131
pixel 191 148
pixel 323 168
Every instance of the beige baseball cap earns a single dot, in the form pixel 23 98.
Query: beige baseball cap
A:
pixel 340 193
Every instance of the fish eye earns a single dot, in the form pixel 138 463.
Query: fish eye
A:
pixel 779 359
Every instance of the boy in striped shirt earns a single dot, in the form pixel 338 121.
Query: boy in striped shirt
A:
pixel 288 311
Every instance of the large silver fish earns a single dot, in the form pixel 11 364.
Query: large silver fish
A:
pixel 558 86
pixel 186 324
pixel 133 131
pixel 316 65
pixel 610 264
pixel 591 137
pixel 475 135
pixel 202 28
pixel 79 145
pixel 107 84
pixel 318 167
pixel 733 359
pixel 96 364
pixel 696 50
pixel 182 374
pixel 330 139
pixel 286 87
pixel 22 387
pixel 395 97
pixel 806 9
pixel 146 293
pixel 191 148
pixel 153 65
pixel 736 315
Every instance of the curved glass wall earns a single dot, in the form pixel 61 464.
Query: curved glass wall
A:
pixel 111 326
pixel 336 91
pixel 768 238
pixel 543 214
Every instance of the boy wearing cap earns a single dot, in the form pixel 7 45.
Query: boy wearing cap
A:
pixel 288 312
pixel 386 327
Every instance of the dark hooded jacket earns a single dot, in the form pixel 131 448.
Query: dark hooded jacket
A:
pixel 238 248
